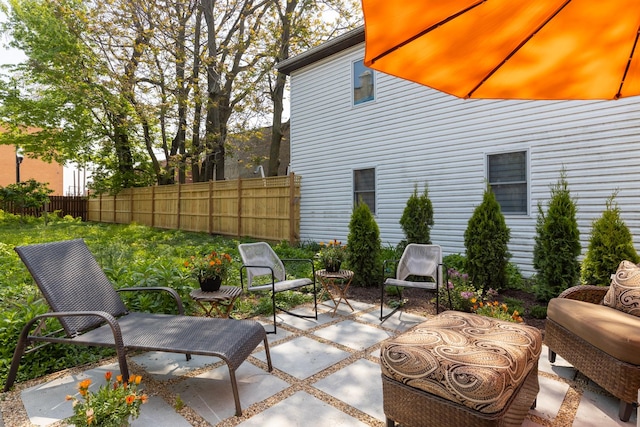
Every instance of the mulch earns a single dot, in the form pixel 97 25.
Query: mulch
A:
pixel 420 302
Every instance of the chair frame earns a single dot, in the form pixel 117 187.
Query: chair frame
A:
pixel 230 340
pixel 274 282
pixel 441 269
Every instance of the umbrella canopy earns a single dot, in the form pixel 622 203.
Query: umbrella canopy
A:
pixel 508 49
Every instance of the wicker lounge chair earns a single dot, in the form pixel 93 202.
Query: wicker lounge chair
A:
pixel 417 261
pixel 92 313
pixel 259 260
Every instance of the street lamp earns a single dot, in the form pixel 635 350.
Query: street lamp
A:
pixel 19 158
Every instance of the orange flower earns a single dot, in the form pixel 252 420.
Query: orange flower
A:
pixel 138 379
pixel 144 398
pixel 84 386
pixel 130 399
pixel 107 375
pixel 119 378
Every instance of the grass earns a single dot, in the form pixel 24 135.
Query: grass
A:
pixel 130 255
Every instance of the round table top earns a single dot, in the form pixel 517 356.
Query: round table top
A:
pixel 222 294
pixel 342 274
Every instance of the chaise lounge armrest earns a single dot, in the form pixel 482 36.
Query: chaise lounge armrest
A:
pixel 586 293
pixel 170 291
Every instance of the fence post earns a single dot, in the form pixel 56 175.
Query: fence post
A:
pixel 178 208
pixel 210 217
pixel 153 206
pixel 131 205
pixel 239 195
pixel 292 195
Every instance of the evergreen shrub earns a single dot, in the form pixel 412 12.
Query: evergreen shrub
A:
pixel 610 243
pixel 485 240
pixel 363 245
pixel 557 243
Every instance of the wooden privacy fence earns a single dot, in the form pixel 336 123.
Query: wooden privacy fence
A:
pixel 76 206
pixel 261 208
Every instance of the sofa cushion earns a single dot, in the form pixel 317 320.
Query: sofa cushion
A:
pixel 471 360
pixel 624 292
pixel 610 330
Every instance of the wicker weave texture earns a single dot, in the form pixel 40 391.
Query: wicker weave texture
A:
pixel 71 280
pixel 618 378
pixel 411 407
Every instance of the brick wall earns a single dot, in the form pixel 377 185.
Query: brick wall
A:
pixel 30 169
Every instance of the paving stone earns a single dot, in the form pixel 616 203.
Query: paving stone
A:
pixel 560 367
pixel 302 410
pixel 211 396
pixel 304 324
pixel 163 366
pixel 550 398
pixel 354 335
pixel 397 323
pixel 303 357
pixel 600 409
pixel 358 385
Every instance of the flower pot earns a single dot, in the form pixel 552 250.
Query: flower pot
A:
pixel 332 266
pixel 210 284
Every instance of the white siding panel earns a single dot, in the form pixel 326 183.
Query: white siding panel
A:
pixel 414 135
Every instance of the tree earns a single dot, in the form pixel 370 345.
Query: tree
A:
pixel 417 218
pixel 363 245
pixel 485 240
pixel 29 194
pixel 610 243
pixel 557 243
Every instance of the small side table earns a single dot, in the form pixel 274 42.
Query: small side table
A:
pixel 220 301
pixel 336 285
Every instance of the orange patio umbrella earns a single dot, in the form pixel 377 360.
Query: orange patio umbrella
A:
pixel 508 49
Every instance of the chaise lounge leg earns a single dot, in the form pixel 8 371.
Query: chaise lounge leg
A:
pixel 390 422
pixel 234 386
pixel 625 410
pixel 17 357
pixel 552 356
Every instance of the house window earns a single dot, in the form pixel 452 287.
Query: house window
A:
pixel 363 83
pixel 507 174
pixel 364 187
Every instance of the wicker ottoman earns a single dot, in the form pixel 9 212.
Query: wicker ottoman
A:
pixel 461 369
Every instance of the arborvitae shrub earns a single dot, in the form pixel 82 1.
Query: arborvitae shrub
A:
pixel 610 243
pixel 557 243
pixel 417 218
pixel 485 240
pixel 363 245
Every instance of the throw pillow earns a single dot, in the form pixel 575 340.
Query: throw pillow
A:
pixel 624 292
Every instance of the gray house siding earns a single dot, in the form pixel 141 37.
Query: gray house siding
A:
pixel 414 135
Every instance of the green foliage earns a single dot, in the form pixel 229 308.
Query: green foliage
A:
pixel 455 261
pixel 557 243
pixel 24 195
pixel 363 245
pixel 463 293
pixel 538 312
pixel 611 242
pixel 417 218
pixel 485 240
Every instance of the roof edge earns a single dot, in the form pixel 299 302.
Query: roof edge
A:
pixel 333 46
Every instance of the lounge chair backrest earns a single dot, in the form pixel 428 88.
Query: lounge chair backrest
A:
pixel 71 280
pixel 261 254
pixel 420 260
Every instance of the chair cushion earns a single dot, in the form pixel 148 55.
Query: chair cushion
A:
pixel 624 292
pixel 409 284
pixel 610 330
pixel 471 360
pixel 285 285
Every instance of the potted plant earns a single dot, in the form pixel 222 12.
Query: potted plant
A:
pixel 332 255
pixel 112 405
pixel 210 270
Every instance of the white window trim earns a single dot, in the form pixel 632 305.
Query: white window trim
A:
pixel 528 176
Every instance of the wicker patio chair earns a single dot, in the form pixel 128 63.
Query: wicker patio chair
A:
pixel 418 261
pixel 92 313
pixel 259 260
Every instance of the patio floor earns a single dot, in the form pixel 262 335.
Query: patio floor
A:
pixel 326 372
